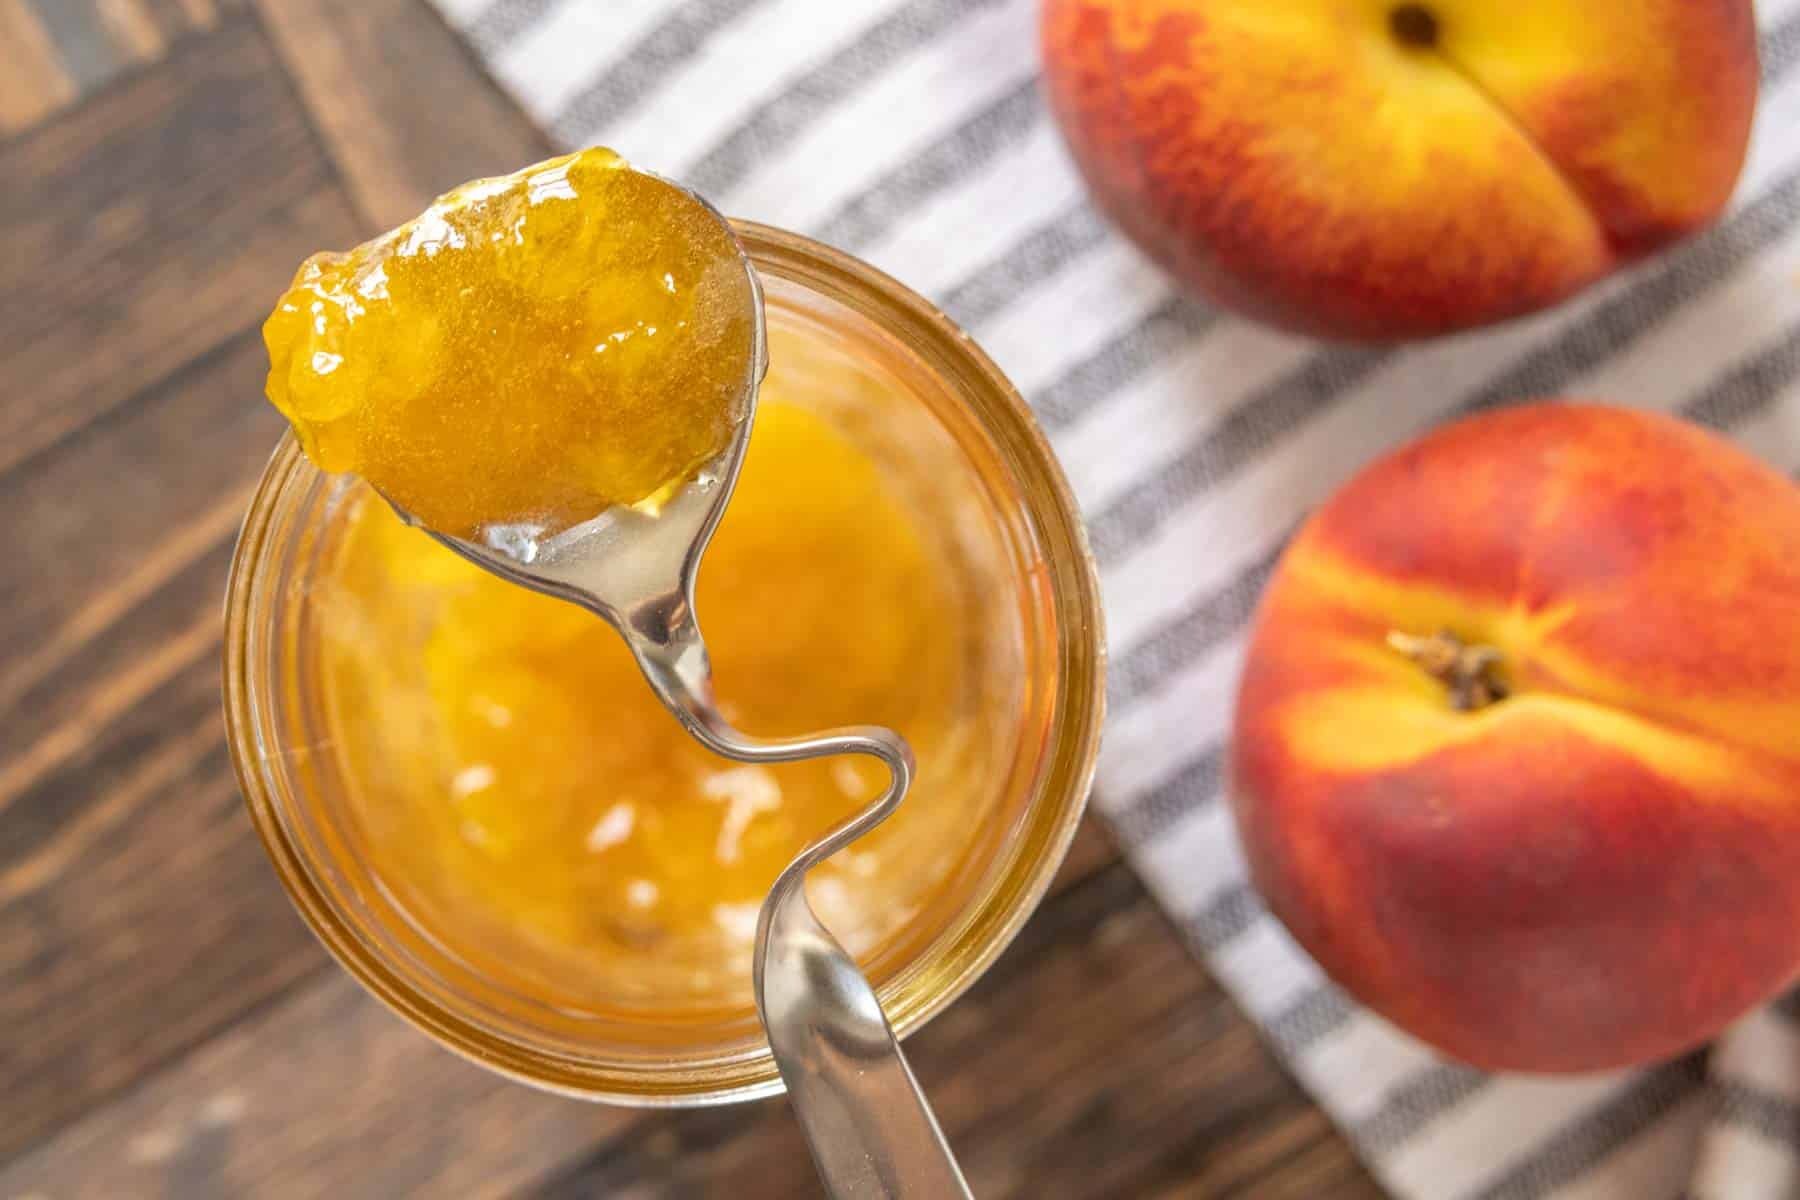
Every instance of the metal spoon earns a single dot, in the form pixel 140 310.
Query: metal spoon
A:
pixel 870 1129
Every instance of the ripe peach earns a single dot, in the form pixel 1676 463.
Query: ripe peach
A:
pixel 1517 748
pixel 1380 170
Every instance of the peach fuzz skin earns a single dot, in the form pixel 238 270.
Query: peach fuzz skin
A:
pixel 1305 163
pixel 1603 866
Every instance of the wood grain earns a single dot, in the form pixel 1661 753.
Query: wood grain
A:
pixel 1095 1061
pixel 137 912
pixel 327 1094
pixel 407 114
pixel 139 230
pixel 289 1130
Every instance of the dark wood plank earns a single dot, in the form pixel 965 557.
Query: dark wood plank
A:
pixel 1294 1154
pixel 1096 1060
pixel 319 1094
pixel 383 78
pixel 325 1094
pixel 140 228
pixel 137 912
pixel 100 530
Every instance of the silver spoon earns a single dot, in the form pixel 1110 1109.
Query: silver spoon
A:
pixel 870 1129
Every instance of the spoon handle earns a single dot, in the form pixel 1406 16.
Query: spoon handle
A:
pixel 871 1132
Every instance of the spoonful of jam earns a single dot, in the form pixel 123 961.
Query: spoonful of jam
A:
pixel 527 353
pixel 554 374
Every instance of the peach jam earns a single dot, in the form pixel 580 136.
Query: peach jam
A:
pixel 529 351
pixel 528 802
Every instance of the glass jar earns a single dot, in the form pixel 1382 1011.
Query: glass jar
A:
pixel 296 791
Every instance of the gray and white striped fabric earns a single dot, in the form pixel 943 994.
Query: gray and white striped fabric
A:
pixel 911 132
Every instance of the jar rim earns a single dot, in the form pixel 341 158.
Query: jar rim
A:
pixel 1053 811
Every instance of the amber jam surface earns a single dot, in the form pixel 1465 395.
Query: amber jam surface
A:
pixel 529 351
pixel 537 813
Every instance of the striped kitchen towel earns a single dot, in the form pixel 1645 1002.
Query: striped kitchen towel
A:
pixel 912 132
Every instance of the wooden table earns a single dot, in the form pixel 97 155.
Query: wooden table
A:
pixel 167 1025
